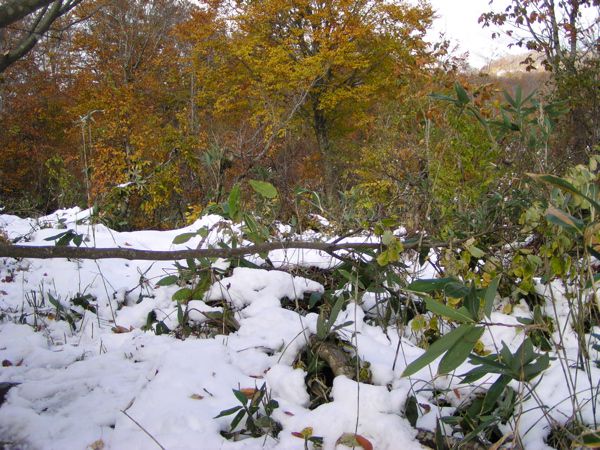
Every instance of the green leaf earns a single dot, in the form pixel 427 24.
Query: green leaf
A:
pixel 243 399
pixel 383 259
pixel 183 238
pixel 494 392
pixel 180 316
pixel 263 188
pixel 444 98
pixel 234 203
pixel 461 94
pixel 440 442
pixel 456 289
pixel 533 370
pixel 387 237
pixel 489 296
pixel 162 328
pixel 342 325
pixel 475 252
pixel 460 315
pixel 459 352
pixel 315 297
pixel 238 418
pixel 594 280
pixel 54 302
pixel 411 410
pixel 335 311
pixel 436 349
pixel 65 240
pixel 475 374
pixel 78 239
pixel 590 439
pixel 430 285
pixel 472 303
pixel 183 295
pixel 518 96
pixel 168 280
pixel 58 236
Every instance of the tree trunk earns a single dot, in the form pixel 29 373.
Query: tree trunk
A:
pixel 321 127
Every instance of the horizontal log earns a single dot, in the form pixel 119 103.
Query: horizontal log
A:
pixel 47 252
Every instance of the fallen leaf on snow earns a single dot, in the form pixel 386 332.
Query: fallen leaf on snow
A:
pixel 354 440
pixel 248 392
pixel 304 434
pixel 96 445
pixel 425 407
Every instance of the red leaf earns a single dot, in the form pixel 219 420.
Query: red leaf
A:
pixel 363 442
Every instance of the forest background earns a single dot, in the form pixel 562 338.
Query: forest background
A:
pixel 153 110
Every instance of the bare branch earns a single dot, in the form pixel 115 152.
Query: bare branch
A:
pixel 14 10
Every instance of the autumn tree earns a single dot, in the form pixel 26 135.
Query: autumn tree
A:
pixel 131 80
pixel 38 170
pixel 298 65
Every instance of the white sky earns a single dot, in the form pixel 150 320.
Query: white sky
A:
pixel 458 19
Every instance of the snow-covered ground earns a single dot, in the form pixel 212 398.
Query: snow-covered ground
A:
pixel 108 383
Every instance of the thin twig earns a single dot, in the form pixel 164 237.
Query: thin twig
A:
pixel 143 429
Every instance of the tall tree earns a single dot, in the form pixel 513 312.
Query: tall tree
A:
pixel 319 62
pixel 130 80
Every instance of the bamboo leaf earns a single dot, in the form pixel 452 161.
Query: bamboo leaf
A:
pixel 460 315
pixel 241 396
pixel 436 349
pixel 459 352
pixel 234 203
pixel 563 219
pixel 564 185
pixel 168 280
pixel 429 285
pixel 183 238
pixel 489 296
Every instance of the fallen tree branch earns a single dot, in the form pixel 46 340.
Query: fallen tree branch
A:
pixel 336 358
pixel 47 252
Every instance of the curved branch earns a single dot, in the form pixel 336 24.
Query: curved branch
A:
pixel 15 10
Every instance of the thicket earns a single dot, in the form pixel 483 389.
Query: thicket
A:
pixel 157 112
pixel 152 111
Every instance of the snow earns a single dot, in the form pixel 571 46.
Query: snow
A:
pixel 90 386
